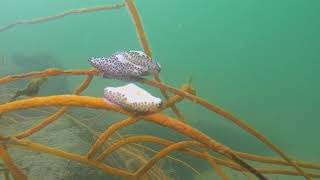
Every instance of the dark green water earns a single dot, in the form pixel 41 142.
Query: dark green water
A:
pixel 257 59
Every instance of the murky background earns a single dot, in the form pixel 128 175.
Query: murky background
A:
pixel 257 59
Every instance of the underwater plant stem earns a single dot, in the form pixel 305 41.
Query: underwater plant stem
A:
pixel 133 139
pixel 230 117
pixel 139 27
pixel 173 106
pixel 215 166
pixel 99 103
pixel 246 166
pixel 157 140
pixel 286 172
pixel 42 124
pixel 164 152
pixel 108 132
pixel 57 114
pixel 277 161
pixel 84 85
pixel 157 172
pixel 83 159
pixel 196 99
pixel 15 171
pixel 61 15
pixel 180 145
pixel 142 138
pixel 145 45
pixel 47 72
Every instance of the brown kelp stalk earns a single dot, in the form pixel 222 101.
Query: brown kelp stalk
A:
pixel 144 42
pixel 83 159
pixel 200 139
pixel 98 103
pixel 56 115
pixel 15 171
pixel 61 15
pixel 230 117
pixel 193 98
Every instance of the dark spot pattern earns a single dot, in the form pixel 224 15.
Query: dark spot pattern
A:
pixel 126 65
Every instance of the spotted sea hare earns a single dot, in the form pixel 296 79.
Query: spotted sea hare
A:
pixel 126 65
pixel 132 98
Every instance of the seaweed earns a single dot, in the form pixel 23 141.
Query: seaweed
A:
pixel 132 160
pixel 32 89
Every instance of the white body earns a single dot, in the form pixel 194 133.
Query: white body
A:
pixel 132 98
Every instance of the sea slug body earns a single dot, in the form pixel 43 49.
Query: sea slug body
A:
pixel 126 65
pixel 132 98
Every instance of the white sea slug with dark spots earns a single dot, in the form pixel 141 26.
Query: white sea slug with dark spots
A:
pixel 132 98
pixel 126 65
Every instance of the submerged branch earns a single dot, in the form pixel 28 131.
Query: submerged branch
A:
pixel 164 87
pixel 145 45
pixel 61 15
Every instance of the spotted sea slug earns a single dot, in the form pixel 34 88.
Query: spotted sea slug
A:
pixel 126 65
pixel 132 98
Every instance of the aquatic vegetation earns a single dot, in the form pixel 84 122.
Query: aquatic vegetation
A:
pixel 92 102
pixel 24 62
pixel 128 65
pixel 32 89
pixel 61 15
pixel 132 98
pixel 196 143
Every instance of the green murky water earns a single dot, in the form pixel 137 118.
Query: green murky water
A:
pixel 257 59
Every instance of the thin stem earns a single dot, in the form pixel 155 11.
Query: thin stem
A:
pixel 164 152
pixel 83 159
pixel 215 166
pixel 15 171
pixel 145 45
pixel 108 132
pixel 99 103
pixel 56 115
pixel 230 117
pixel 61 15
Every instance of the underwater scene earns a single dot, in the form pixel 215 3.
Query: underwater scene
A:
pixel 159 90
